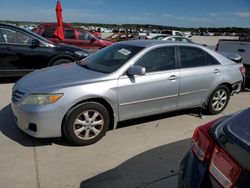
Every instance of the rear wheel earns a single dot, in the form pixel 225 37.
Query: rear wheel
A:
pixel 86 124
pixel 218 100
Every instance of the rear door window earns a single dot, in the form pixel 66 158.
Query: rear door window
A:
pixel 48 33
pixel 69 34
pixel 84 35
pixel 191 57
pixel 211 60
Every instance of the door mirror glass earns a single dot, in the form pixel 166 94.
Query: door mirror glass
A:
pixel 136 70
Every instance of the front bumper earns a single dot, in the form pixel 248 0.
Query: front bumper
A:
pixel 46 119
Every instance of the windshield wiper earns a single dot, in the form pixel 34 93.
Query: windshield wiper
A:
pixel 84 65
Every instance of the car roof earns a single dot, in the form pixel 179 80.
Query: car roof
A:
pixel 149 43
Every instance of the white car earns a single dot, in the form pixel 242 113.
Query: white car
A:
pixel 177 38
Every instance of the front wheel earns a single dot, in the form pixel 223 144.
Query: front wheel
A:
pixel 86 124
pixel 218 100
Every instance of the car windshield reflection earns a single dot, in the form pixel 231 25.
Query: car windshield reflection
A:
pixel 110 58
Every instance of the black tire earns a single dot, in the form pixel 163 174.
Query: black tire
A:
pixel 87 123
pixel 218 100
pixel 60 61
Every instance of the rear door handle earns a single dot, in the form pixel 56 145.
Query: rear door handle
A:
pixel 216 71
pixel 173 77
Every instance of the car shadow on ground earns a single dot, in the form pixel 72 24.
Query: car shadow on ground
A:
pixel 157 167
pixel 196 112
pixel 9 129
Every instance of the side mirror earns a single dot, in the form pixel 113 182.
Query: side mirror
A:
pixel 136 70
pixel 35 43
pixel 92 40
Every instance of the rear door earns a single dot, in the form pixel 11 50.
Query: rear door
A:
pixel 70 37
pixel 199 72
pixel 154 92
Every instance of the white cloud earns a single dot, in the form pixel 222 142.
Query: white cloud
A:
pixel 213 14
pixel 186 18
pixel 243 14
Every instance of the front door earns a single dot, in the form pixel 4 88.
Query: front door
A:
pixel 154 92
pixel 17 54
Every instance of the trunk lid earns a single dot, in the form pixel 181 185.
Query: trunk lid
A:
pixel 233 135
pixel 234 57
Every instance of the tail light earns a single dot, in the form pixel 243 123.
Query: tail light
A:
pixel 242 70
pixel 223 168
pixel 202 143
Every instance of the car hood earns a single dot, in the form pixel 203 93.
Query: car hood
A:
pixel 234 57
pixel 57 77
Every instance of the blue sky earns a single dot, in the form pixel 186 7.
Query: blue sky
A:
pixel 188 13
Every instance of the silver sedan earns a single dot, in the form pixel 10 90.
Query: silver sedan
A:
pixel 127 80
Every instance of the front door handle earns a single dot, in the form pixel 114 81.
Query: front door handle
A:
pixel 173 77
pixel 216 71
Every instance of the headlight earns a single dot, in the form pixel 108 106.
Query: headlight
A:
pixel 81 53
pixel 42 99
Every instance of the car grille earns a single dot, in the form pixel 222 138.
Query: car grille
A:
pixel 17 95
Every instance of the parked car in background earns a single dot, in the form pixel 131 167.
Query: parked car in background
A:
pixel 117 37
pixel 73 36
pixel 158 37
pixel 23 51
pixel 149 34
pixel 174 38
pixel 220 154
pixel 119 83
pixel 240 47
pixel 177 38
pixel 173 32
pixel 187 34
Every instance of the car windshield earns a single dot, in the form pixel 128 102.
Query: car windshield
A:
pixel 110 58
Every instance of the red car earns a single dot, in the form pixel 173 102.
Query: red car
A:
pixel 73 36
